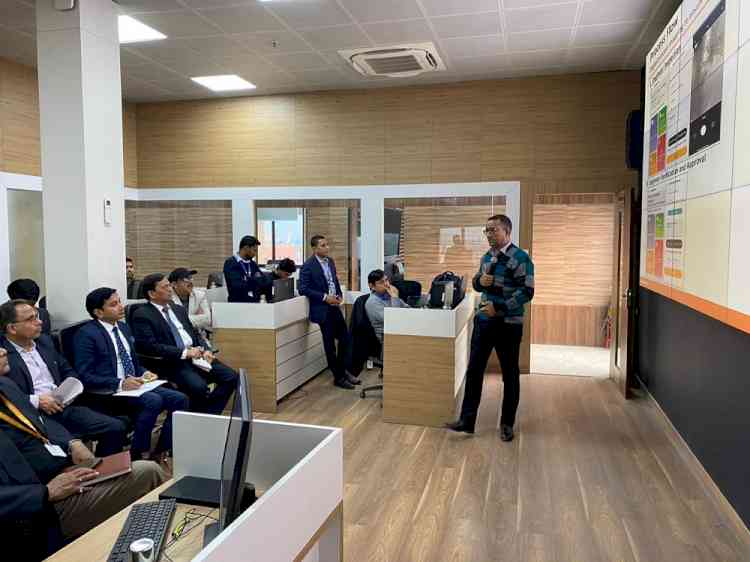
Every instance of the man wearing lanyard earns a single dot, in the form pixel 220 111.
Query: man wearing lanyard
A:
pixel 506 283
pixel 319 283
pixel 245 281
pixel 34 451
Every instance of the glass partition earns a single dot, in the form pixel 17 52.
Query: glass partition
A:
pixel 431 235
pixel 285 228
pixel 26 236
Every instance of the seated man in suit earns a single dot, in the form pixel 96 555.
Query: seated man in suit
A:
pixel 38 369
pixel 194 300
pixel 28 290
pixel 383 295
pixel 245 280
pixel 40 501
pixel 106 363
pixel 319 283
pixel 163 329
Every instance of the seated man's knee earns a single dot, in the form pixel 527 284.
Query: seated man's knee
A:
pixel 152 401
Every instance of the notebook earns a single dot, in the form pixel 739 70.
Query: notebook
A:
pixel 110 467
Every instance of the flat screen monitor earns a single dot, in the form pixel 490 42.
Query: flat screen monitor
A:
pixel 283 289
pixel 235 459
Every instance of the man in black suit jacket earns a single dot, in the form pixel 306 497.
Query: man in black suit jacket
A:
pixel 38 369
pixel 245 281
pixel 320 284
pixel 104 352
pixel 163 329
pixel 28 290
pixel 40 505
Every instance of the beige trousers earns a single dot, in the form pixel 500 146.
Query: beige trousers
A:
pixel 82 512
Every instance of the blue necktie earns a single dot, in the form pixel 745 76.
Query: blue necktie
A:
pixel 127 362
pixel 175 332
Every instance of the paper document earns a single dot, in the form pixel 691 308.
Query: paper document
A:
pixel 142 390
pixel 68 391
pixel 202 364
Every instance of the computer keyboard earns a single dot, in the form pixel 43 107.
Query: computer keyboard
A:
pixel 146 520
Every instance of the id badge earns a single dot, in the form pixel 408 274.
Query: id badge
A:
pixel 55 450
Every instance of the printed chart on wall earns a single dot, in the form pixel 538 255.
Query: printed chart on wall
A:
pixel 697 152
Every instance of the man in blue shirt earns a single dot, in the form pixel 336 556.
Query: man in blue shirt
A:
pixel 506 282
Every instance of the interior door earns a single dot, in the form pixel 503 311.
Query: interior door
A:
pixel 622 296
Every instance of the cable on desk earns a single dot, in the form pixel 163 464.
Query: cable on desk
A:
pixel 182 529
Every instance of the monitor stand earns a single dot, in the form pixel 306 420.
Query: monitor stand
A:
pixel 210 532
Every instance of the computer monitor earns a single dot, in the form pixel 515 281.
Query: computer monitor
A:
pixel 235 459
pixel 283 289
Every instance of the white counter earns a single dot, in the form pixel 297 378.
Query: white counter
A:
pixel 429 322
pixel 262 316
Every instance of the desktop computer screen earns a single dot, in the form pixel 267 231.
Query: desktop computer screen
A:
pixel 283 289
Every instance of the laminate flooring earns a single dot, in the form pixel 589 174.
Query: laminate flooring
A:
pixel 588 478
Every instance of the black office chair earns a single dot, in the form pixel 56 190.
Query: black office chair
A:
pixel 66 337
pixel 409 291
pixel 150 362
pixel 365 343
pixel 365 390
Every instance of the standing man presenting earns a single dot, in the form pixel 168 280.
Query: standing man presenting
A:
pixel 506 282
pixel 319 283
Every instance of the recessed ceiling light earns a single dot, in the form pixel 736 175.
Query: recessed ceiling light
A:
pixel 224 83
pixel 133 31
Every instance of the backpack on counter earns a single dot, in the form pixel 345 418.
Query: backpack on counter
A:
pixel 437 289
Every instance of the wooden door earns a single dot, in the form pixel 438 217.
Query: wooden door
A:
pixel 621 327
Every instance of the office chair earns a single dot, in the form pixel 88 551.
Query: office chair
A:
pixel 66 337
pixel 150 362
pixel 365 390
pixel 409 291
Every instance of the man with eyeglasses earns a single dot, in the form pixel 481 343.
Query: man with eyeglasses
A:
pixel 193 300
pixel 38 369
pixel 506 282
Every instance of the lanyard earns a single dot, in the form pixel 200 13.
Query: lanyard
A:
pixel 21 422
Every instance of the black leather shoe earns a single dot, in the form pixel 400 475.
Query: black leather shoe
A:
pixel 506 433
pixel 352 379
pixel 460 426
pixel 343 384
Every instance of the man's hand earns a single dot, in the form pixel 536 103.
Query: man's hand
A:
pixel 486 280
pixel 148 376
pixel 68 483
pixel 79 453
pixel 393 291
pixel 194 353
pixel 332 300
pixel 488 309
pixel 131 383
pixel 208 356
pixel 49 404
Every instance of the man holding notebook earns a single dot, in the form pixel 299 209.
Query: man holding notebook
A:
pixel 39 371
pixel 108 366
pixel 40 486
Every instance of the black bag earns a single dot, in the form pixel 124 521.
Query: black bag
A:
pixel 437 289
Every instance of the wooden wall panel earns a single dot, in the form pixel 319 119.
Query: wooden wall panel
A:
pixel 568 325
pixel 161 236
pixel 333 223
pixel 130 148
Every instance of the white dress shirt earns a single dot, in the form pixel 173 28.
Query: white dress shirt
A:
pixel 41 378
pixel 328 273
pixel 186 339
pixel 110 330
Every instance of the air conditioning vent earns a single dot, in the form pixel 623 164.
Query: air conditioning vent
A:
pixel 398 61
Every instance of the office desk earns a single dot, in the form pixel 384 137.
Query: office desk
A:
pixel 298 471
pixel 275 343
pixel 425 354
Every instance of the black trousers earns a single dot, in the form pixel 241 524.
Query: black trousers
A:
pixel 84 423
pixel 334 329
pixel 505 339
pixel 194 382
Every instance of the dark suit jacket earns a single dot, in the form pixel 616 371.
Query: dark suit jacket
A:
pixel 26 516
pixel 96 357
pixel 134 289
pixel 46 321
pixel 153 336
pixel 365 343
pixel 240 285
pixel 58 367
pixel 314 286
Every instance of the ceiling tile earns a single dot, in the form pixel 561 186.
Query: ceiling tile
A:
pixel 335 38
pixel 448 7
pixel 162 51
pixel 481 64
pixel 218 48
pixel 15 15
pixel 459 47
pixel 299 61
pixel 537 59
pixel 607 11
pixel 243 19
pixel 326 76
pixel 208 4
pixel 179 24
pixel 596 55
pixel 263 42
pixel 382 10
pixel 395 32
pixel 608 34
pixel 539 40
pixel 131 59
pixel 150 73
pixel 470 25
pixel 515 4
pixel 139 6
pixel 308 15
pixel 545 17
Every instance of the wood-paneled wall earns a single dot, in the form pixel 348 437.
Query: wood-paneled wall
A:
pixel 163 235
pixel 20 144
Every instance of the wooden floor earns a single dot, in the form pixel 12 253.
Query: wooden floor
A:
pixel 588 478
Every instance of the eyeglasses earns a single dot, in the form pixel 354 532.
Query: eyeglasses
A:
pixel 490 230
pixel 33 318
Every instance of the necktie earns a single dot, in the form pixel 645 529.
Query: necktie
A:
pixel 127 362
pixel 175 332
pixel 329 276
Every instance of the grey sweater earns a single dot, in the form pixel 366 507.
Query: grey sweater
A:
pixel 375 308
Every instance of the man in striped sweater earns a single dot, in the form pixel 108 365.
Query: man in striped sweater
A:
pixel 506 282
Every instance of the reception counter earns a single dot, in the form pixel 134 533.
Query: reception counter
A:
pixel 275 343
pixel 425 355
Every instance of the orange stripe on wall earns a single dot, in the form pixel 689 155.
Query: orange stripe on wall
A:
pixel 663 290
pixel 739 320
